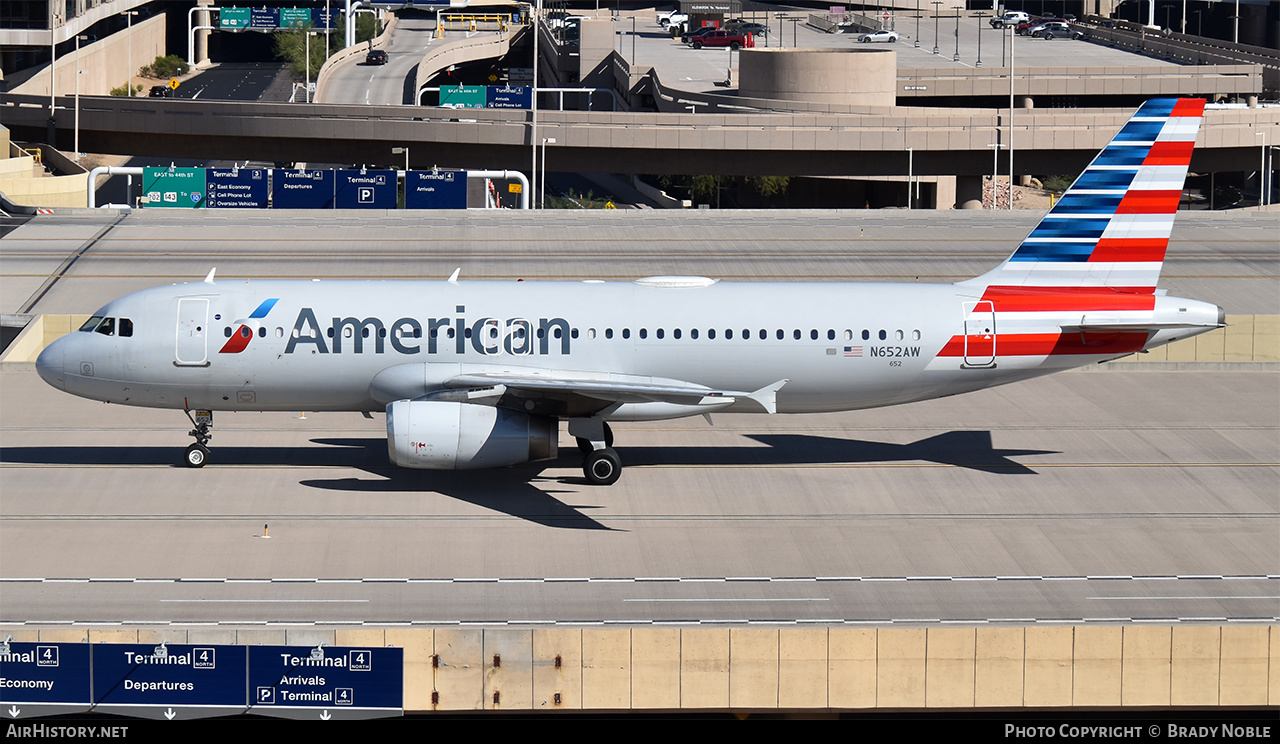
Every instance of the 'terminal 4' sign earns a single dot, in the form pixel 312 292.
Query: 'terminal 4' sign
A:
pixel 194 681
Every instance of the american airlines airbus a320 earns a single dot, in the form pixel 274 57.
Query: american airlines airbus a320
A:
pixel 478 374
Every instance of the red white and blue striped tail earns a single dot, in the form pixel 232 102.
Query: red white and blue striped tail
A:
pixel 1111 228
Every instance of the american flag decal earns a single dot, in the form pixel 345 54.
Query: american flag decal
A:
pixel 853 351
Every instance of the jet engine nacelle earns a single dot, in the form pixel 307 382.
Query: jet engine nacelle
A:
pixel 445 435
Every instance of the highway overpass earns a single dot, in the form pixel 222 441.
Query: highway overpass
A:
pixel 942 141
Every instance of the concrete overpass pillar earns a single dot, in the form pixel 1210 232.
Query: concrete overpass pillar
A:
pixel 202 18
pixel 968 192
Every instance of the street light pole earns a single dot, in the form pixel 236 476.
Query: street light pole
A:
pixel 307 50
pixel 1011 59
pixel 542 188
pixel 917 24
pixel 128 15
pixel 936 4
pixel 533 138
pixel 979 16
pixel 80 38
pixel 1262 171
pixel 910 174
pixel 956 58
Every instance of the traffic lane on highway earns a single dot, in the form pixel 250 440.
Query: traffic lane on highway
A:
pixel 238 81
pixel 355 81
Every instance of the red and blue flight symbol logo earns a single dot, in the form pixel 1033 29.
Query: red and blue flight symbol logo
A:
pixel 244 331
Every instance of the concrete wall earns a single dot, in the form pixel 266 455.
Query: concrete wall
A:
pixel 104 64
pixel 856 77
pixel 794 669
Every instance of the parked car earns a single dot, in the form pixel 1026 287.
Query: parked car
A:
pixel 673 18
pixel 1011 18
pixel 1055 29
pixel 161 91
pixel 697 33
pixel 375 57
pixel 720 39
pixel 881 35
pixel 756 29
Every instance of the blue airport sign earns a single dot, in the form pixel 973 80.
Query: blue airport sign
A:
pixel 264 18
pixel 323 19
pixel 302 189
pixel 228 188
pixel 331 681
pixel 178 681
pixel 40 679
pixel 366 189
pixel 444 189
pixel 509 96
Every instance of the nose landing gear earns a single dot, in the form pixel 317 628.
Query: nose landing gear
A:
pixel 198 454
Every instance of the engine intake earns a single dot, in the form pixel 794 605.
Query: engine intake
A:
pixel 444 435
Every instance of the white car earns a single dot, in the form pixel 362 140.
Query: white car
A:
pixel 882 35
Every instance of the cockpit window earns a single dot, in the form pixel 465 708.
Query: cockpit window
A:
pixel 91 324
pixel 107 327
pixel 126 327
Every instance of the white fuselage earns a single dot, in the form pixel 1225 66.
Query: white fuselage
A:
pixel 321 343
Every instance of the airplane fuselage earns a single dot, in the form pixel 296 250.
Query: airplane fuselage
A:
pixel 318 345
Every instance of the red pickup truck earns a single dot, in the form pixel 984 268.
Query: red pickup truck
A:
pixel 721 39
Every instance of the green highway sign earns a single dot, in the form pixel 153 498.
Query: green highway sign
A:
pixel 174 187
pixel 233 18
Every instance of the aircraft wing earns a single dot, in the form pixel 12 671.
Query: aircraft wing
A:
pixel 604 389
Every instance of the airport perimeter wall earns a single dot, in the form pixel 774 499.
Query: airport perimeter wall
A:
pixel 1247 338
pixel 792 669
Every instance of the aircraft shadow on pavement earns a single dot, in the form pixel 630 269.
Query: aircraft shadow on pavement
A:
pixel 519 491
pixel 972 450
pixel 967 449
pixel 513 491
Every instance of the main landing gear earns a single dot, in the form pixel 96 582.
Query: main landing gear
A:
pixel 600 463
pixel 198 454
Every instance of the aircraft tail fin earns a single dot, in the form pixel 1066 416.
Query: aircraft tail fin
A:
pixel 1111 228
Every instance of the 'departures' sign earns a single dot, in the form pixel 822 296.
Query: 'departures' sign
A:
pixel 302 189
pixel 186 681
pixel 444 189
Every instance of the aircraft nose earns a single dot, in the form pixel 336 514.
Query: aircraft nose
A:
pixel 49 365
